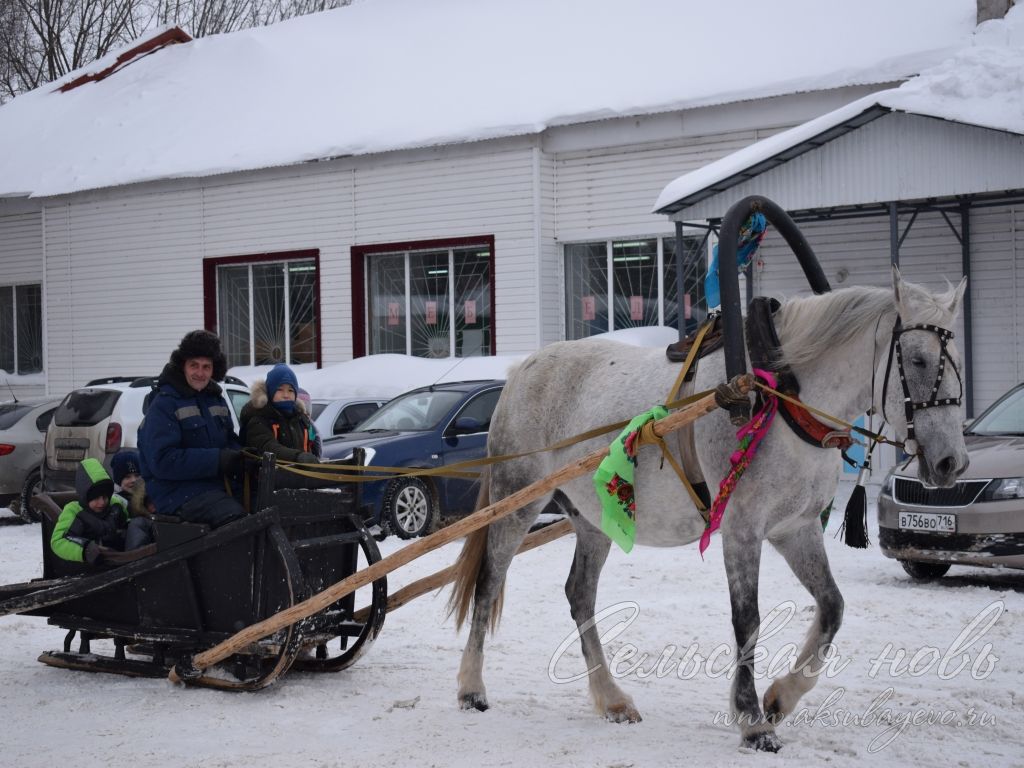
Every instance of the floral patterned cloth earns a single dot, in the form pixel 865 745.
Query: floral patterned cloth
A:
pixel 613 481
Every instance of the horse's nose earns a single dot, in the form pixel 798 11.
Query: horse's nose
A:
pixel 951 466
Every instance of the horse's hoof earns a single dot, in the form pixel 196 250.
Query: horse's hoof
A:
pixel 772 707
pixel 622 713
pixel 477 701
pixel 766 741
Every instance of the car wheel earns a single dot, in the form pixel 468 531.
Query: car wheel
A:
pixel 409 507
pixel 33 484
pixel 924 571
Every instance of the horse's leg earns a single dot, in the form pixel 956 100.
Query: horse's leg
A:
pixel 581 588
pixel 742 550
pixel 503 539
pixel 804 550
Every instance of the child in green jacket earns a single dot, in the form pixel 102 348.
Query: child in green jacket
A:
pixel 97 519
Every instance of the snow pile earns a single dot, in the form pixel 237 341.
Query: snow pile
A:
pixel 391 74
pixel 908 649
pixel 388 375
pixel 981 84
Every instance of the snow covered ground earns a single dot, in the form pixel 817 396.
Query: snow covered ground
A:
pixel 397 706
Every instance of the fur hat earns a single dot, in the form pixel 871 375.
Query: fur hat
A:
pixel 124 463
pixel 201 343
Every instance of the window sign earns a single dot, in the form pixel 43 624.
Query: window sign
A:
pixel 394 313
pixel 431 313
pixel 589 308
pixel 636 307
pixel 469 312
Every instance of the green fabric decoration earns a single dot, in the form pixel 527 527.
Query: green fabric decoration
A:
pixel 613 481
pixel 825 513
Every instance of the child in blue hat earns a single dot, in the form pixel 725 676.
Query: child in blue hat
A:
pixel 276 420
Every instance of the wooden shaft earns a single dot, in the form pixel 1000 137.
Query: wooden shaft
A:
pixel 437 580
pixel 407 554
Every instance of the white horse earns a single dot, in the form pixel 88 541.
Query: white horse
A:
pixel 838 345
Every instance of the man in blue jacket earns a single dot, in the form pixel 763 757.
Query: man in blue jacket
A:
pixel 189 454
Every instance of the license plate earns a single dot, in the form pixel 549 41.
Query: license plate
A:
pixel 66 454
pixel 927 521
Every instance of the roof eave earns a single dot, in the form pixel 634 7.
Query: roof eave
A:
pixel 870 114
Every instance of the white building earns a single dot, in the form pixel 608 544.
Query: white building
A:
pixel 928 176
pixel 446 178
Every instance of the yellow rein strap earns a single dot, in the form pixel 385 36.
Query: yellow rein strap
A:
pixel 371 474
pixel 648 437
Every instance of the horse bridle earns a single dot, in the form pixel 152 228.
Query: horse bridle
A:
pixel 910 406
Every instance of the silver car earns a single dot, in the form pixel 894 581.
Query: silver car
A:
pixel 339 417
pixel 102 418
pixel 979 521
pixel 22 431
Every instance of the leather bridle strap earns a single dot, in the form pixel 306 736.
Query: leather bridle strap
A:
pixel 910 406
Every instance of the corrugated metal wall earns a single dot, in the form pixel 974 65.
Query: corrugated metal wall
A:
pixel 21 253
pixel 609 193
pixel 896 157
pixel 930 255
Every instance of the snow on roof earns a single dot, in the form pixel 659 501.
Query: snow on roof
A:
pixel 981 84
pixel 381 75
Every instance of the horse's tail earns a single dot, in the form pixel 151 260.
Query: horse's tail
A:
pixel 469 563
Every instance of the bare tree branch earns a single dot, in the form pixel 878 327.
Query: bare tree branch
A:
pixel 42 40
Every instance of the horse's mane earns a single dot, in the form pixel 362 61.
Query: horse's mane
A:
pixel 811 326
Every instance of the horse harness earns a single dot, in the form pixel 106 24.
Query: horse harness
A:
pixel 911 406
pixel 765 352
pixel 763 345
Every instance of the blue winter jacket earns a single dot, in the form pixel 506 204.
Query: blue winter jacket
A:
pixel 180 441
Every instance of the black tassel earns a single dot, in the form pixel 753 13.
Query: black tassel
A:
pixel 855 521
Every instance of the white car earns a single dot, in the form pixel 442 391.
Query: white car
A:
pixel 339 417
pixel 103 417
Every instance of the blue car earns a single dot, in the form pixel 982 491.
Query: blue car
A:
pixel 428 427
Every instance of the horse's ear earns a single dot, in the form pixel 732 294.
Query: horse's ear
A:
pixel 958 297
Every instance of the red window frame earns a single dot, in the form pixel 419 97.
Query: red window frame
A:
pixel 358 256
pixel 210 286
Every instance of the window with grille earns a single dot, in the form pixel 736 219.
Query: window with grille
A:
pixel 266 308
pixel 616 284
pixel 428 301
pixel 21 328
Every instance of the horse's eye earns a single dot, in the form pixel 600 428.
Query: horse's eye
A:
pixel 917 362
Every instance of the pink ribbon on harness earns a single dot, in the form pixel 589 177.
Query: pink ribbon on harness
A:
pixel 750 436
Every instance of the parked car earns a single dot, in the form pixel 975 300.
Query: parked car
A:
pixel 427 427
pixel 339 417
pixel 22 431
pixel 103 417
pixel 979 521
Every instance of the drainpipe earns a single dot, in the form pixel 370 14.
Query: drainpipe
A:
pixel 894 235
pixel 680 272
pixel 965 265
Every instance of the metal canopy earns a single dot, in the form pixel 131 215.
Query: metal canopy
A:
pixel 833 132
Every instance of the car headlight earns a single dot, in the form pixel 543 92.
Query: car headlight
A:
pixel 1006 488
pixel 887 483
pixel 368 454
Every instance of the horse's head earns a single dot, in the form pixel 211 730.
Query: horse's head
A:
pixel 921 382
